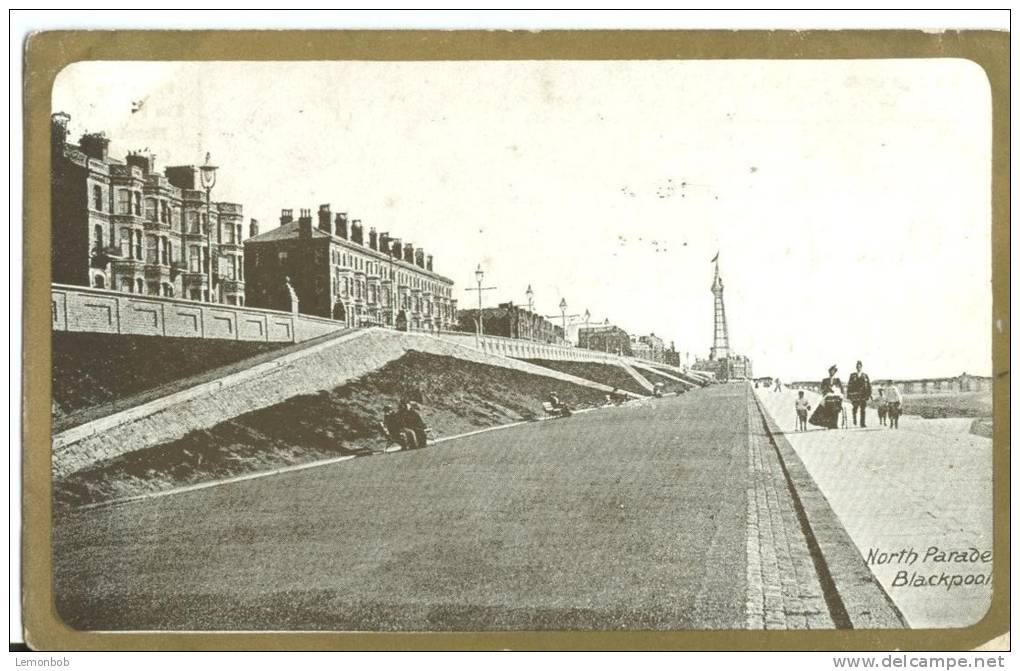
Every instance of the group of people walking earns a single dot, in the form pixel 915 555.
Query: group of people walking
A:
pixel 859 392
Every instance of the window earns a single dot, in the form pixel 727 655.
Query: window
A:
pixel 138 203
pixel 125 242
pixel 97 198
pixel 232 267
pixel 152 249
pixel 192 221
pixel 123 201
pixel 167 253
pixel 194 253
pixel 98 233
pixel 281 257
pixel 99 282
pixel 138 246
pixel 140 286
pixel 151 205
pixel 168 289
pixel 240 300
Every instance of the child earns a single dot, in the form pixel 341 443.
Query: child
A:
pixel 802 406
pixel 883 406
pixel 895 405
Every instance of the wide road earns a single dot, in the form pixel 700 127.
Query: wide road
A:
pixel 628 517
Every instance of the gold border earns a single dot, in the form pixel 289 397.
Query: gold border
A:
pixel 47 53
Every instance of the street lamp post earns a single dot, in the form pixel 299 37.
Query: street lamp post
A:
pixel 479 276
pixel 208 174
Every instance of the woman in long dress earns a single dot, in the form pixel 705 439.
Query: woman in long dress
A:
pixel 827 413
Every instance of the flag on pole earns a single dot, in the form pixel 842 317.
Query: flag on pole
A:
pixel 715 258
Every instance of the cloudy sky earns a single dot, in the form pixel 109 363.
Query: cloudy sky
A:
pixel 850 200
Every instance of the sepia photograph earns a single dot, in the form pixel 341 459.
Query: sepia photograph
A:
pixel 519 345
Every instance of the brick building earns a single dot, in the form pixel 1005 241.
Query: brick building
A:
pixel 337 271
pixel 121 225
pixel 732 367
pixel 511 321
pixel 605 337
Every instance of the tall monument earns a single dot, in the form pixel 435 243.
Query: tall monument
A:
pixel 721 362
pixel 721 342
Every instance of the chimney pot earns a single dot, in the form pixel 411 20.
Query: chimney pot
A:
pixel 357 232
pixel 341 225
pixel 286 216
pixel 253 228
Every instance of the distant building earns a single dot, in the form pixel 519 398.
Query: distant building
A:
pixel 649 347
pixel 671 356
pixel 605 337
pixel 121 225
pixel 733 367
pixel 337 271
pixel 511 321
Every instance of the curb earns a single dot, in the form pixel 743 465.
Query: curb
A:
pixel 856 599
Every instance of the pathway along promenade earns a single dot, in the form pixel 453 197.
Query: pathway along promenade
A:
pixel 917 502
pixel 671 513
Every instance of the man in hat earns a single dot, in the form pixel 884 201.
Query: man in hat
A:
pixel 858 390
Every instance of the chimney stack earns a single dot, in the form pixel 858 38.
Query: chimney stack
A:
pixel 409 253
pixel 428 263
pixel 384 242
pixel 373 239
pixel 95 145
pixel 419 257
pixel 305 224
pixel 356 232
pixel 58 127
pixel 147 162
pixel 341 225
pixel 395 249
pixel 324 219
pixel 286 216
pixel 253 228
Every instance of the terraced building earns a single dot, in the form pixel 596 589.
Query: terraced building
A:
pixel 333 269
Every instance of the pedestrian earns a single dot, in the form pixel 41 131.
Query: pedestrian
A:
pixel 802 406
pixel 779 385
pixel 558 406
pixel 895 402
pixel 408 419
pixel 883 405
pixel 390 424
pixel 827 413
pixel 858 389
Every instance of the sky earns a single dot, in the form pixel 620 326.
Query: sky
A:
pixel 849 201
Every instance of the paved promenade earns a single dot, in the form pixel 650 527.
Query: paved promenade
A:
pixel 916 502
pixel 668 513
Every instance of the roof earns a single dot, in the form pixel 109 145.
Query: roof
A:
pixel 292 231
pixel 286 232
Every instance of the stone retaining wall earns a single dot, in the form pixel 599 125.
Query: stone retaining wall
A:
pixel 101 311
